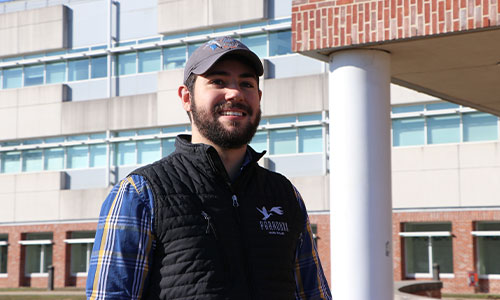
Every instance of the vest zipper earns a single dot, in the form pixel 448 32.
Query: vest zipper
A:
pixel 210 225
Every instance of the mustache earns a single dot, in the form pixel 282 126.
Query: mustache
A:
pixel 229 105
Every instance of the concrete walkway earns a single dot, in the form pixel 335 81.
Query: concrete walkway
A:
pixel 42 292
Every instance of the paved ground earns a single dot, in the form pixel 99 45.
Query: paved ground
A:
pixel 58 292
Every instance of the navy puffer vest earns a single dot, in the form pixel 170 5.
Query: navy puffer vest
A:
pixel 216 239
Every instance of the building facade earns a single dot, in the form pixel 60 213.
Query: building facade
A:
pixel 88 92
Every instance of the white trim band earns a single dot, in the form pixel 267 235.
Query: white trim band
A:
pixel 425 233
pixel 485 233
pixel 36 242
pixel 79 241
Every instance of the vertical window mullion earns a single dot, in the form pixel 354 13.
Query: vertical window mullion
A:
pixel 42 258
pixel 430 254
pixel 461 127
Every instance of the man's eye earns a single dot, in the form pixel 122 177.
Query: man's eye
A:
pixel 217 82
pixel 247 84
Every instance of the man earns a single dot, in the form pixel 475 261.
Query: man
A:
pixel 207 222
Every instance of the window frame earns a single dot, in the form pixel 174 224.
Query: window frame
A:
pixel 43 243
pixel 484 233
pixel 90 243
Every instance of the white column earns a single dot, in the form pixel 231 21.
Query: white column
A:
pixel 360 175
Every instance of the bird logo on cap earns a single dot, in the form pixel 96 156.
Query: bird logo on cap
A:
pixel 222 43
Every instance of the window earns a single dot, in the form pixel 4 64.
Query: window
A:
pixel 125 153
pixel 81 243
pixel 77 157
pixel 32 160
pixel 56 72
pixel 426 244
pixel 443 129
pixel 3 253
pixel 12 78
pixel 149 61
pixel 38 253
pixel 33 75
pixel 168 146
pixel 310 139
pixel 480 127
pixel 488 247
pixel 99 67
pixel 126 63
pixel 174 57
pixel 408 132
pixel 78 69
pixel 280 42
pixel 282 141
pixel 11 162
pixel 259 141
pixel 53 159
pixel 148 151
pixel 98 155
pixel 256 43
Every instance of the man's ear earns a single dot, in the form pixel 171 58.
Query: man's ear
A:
pixel 260 95
pixel 185 97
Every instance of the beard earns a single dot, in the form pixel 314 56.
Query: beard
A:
pixel 211 128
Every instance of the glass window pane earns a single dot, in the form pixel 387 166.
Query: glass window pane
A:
pixel 126 63
pixel 488 254
pixel 33 75
pixel 407 108
pixel 282 120
pixel 416 255
pixel 54 159
pixel 480 127
pixel 79 259
pixel 443 129
pixel 256 43
pixel 280 43
pixel 3 259
pixel 259 141
pixel 32 160
pixel 3 254
pixel 148 131
pixel 33 259
pixel 441 105
pixel 309 118
pixel 168 146
pixel 408 132
pixel 282 141
pixel 97 156
pixel 78 69
pixel 77 157
pixel 12 78
pixel 99 67
pixel 125 153
pixel 148 151
pixel 174 57
pixel 310 139
pixel 11 162
pixel 419 227
pixel 56 72
pixel 442 253
pixel 149 61
pixel 47 257
pixel 488 226
pixel 82 234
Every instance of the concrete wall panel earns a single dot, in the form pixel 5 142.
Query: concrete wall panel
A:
pixel 8 123
pixel 39 120
pixel 437 188
pixel 314 190
pixel 480 187
pixel 133 112
pixel 27 31
pixel 475 155
pixel 7 183
pixel 294 95
pixel 44 94
pixel 170 111
pixel 84 116
pixel 7 203
pixel 37 206
pixel 179 15
pixel 40 181
pixel 81 204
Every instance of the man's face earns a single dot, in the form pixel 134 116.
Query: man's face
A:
pixel 225 104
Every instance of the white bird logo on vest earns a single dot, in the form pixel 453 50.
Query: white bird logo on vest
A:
pixel 277 210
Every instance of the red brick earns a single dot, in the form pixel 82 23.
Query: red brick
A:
pixel 348 25
pixel 327 4
pixel 441 11
pixel 380 12
pixel 448 4
pixel 295 9
pixel 330 17
pixel 342 2
pixel 307 7
pixel 355 14
pixel 420 5
pixel 406 8
pixel 367 12
pixel 318 18
pixel 485 7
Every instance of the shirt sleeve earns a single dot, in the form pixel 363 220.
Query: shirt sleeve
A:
pixel 123 247
pixel 309 277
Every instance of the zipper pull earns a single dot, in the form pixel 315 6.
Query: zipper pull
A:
pixel 235 201
pixel 210 226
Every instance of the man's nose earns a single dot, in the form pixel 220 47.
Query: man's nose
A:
pixel 233 93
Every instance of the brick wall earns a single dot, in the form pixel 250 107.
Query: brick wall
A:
pixel 462 223
pixel 60 255
pixel 319 24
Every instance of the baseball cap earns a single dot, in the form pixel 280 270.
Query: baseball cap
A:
pixel 210 52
